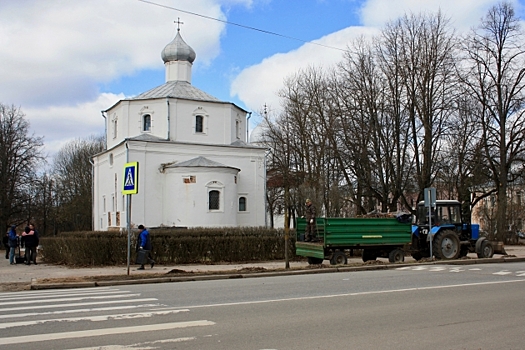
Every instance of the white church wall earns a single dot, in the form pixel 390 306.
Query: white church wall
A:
pixel 152 206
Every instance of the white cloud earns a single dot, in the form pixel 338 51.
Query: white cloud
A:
pixel 66 123
pixel 463 13
pixel 258 85
pixel 58 51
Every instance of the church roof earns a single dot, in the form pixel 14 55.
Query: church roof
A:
pixel 177 89
pixel 201 162
pixel 146 137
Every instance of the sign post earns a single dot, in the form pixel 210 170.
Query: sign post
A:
pixel 430 202
pixel 129 187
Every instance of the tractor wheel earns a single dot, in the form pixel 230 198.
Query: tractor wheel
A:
pixel 446 245
pixel 339 258
pixel 396 255
pixel 487 250
pixel 314 261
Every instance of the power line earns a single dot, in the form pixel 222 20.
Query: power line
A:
pixel 241 25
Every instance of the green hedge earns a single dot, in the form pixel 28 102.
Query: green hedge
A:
pixel 170 246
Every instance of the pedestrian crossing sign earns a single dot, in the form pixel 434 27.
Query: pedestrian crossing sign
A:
pixel 130 184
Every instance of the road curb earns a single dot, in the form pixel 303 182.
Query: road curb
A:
pixel 39 286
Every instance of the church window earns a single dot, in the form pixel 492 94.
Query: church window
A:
pixel 189 179
pixel 199 123
pixel 242 203
pixel 115 128
pixel 237 129
pixel 214 197
pixel 146 122
pixel 111 159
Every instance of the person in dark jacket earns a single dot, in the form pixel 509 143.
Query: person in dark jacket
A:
pixel 30 245
pixel 13 243
pixel 144 243
pixel 36 241
pixel 309 235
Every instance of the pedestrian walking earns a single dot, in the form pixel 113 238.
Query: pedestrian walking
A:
pixel 144 248
pixel 36 242
pixel 12 238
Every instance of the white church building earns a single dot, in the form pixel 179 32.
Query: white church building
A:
pixel 195 167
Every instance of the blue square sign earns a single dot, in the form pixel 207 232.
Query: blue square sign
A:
pixel 130 183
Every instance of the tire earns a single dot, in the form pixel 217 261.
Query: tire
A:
pixel 369 255
pixel 487 250
pixel 314 261
pixel 446 245
pixel 397 255
pixel 339 258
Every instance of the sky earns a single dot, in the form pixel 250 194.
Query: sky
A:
pixel 62 62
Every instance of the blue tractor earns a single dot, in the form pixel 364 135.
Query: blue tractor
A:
pixel 451 237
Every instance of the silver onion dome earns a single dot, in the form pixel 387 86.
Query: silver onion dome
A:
pixel 178 50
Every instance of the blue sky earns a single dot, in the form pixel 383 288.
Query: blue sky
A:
pixel 63 62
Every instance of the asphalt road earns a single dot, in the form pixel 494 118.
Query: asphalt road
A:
pixel 415 307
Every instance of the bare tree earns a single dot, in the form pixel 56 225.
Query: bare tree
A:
pixel 20 159
pixel 72 171
pixel 495 75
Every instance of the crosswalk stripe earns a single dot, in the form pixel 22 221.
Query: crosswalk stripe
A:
pixel 58 295
pixel 94 318
pixel 102 332
pixel 40 301
pixel 53 291
pixel 2 310
pixel 71 311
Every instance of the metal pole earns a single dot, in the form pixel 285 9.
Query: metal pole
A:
pixel 128 227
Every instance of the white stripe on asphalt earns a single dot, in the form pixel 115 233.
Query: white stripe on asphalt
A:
pixel 60 295
pixel 415 289
pixel 74 311
pixel 102 332
pixel 52 291
pixel 2 310
pixel 144 345
pixel 128 316
pixel 40 301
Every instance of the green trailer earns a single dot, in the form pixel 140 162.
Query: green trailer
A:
pixel 377 237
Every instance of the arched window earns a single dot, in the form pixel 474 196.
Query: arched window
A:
pixel 146 122
pixel 199 123
pixel 214 197
pixel 242 203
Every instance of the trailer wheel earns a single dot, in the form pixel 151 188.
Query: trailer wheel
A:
pixel 314 261
pixel 369 255
pixel 446 245
pixel 487 250
pixel 339 258
pixel 396 255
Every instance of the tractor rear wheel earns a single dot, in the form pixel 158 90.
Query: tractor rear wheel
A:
pixel 446 245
